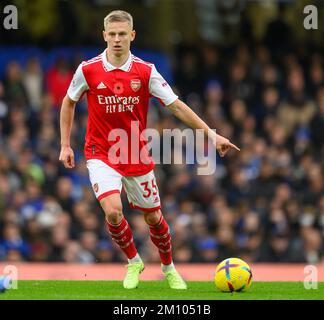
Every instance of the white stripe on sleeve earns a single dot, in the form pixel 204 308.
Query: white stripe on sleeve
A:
pixel 78 84
pixel 159 88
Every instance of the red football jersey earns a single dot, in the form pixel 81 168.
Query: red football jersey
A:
pixel 118 100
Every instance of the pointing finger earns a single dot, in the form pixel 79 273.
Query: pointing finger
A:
pixel 235 147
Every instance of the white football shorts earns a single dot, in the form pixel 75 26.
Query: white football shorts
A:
pixel 142 191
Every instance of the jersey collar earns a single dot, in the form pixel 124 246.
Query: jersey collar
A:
pixel 109 67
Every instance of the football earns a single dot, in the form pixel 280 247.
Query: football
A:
pixel 233 275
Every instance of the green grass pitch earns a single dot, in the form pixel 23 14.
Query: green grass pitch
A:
pixel 156 290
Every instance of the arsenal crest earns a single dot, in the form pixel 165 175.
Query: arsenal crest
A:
pixel 135 84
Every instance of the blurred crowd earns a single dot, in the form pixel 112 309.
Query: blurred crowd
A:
pixel 263 204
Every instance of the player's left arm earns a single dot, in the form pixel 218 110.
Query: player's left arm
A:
pixel 183 112
pixel 159 88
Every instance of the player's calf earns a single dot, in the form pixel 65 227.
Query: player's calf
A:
pixel 123 236
pixel 160 236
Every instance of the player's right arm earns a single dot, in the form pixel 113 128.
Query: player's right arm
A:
pixel 77 87
pixel 66 121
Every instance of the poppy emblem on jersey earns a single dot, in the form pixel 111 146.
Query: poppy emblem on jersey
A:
pixel 135 84
pixel 96 187
pixel 118 88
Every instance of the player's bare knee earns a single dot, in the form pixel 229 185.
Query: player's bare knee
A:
pixel 113 210
pixel 152 217
pixel 114 215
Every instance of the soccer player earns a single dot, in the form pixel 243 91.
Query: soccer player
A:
pixel 118 86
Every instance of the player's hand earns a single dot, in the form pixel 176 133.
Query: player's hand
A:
pixel 67 157
pixel 223 145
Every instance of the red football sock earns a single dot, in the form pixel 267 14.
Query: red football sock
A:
pixel 123 236
pixel 160 236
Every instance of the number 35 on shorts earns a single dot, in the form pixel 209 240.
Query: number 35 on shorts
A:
pixel 150 188
pixel 142 192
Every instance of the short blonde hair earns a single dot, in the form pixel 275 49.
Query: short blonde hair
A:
pixel 118 16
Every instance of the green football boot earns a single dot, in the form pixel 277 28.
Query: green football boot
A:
pixel 175 280
pixel 132 276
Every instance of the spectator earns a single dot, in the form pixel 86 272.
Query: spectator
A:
pixel 12 244
pixel 58 80
pixel 33 83
pixel 317 122
pixel 15 93
pixel 297 109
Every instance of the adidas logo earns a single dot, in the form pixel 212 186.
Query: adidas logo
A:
pixel 157 199
pixel 101 85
